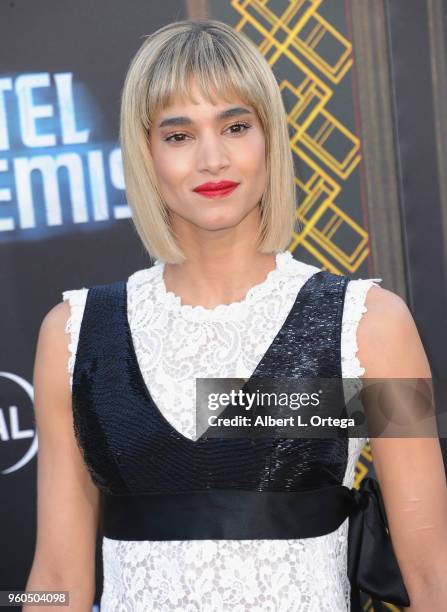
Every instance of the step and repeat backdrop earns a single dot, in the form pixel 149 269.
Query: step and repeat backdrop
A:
pixel 65 223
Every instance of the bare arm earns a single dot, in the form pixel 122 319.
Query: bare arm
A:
pixel 68 500
pixel 410 471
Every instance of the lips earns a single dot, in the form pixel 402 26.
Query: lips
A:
pixel 216 189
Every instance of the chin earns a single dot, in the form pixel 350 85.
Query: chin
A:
pixel 216 220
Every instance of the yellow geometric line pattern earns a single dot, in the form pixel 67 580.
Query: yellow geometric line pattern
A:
pixel 307 46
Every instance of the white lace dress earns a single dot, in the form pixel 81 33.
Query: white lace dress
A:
pixel 174 344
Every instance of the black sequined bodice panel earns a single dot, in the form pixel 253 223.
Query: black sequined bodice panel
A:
pixel 131 449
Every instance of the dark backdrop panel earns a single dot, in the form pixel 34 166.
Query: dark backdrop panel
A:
pixel 418 162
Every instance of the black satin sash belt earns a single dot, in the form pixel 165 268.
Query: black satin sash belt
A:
pixel 227 514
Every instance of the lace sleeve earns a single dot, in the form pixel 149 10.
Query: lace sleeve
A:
pixel 353 310
pixel 352 369
pixel 76 298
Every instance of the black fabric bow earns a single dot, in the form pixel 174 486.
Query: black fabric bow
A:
pixel 372 564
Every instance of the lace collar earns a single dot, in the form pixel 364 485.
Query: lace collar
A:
pixel 286 265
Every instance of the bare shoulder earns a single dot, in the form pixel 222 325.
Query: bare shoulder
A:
pixel 56 318
pixel 388 338
pixel 385 311
pixel 52 332
pixel 52 353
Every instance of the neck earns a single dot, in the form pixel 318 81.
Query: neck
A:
pixel 220 278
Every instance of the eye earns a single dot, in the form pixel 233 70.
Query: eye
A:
pixel 240 124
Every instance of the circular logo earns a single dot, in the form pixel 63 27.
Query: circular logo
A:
pixel 10 424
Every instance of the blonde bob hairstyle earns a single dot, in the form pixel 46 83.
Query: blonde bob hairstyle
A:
pixel 223 62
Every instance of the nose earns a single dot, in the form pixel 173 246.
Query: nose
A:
pixel 212 153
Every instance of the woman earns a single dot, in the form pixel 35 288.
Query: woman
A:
pixel 188 522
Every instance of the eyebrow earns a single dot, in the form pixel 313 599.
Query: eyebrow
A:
pixel 236 111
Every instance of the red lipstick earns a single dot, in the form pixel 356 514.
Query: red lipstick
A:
pixel 216 190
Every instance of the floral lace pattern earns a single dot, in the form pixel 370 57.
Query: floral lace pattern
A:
pixel 226 341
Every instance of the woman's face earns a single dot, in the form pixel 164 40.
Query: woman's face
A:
pixel 193 144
